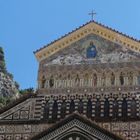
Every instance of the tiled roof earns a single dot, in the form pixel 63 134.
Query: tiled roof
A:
pixel 83 26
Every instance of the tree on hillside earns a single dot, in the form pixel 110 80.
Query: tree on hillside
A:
pixel 26 91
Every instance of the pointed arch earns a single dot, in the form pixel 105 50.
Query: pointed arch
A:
pixel 63 109
pixel 106 108
pixel 46 111
pixel 97 109
pixel 133 108
pixel 124 109
pixel 115 108
pixel 80 106
pixel 54 111
pixel 89 108
pixel 72 106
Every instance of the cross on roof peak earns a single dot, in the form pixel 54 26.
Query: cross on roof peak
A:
pixel 92 14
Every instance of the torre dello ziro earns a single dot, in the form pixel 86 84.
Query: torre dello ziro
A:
pixel 88 89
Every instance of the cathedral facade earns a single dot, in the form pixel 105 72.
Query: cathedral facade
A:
pixel 88 89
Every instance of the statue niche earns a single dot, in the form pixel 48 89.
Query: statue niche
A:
pixel 121 79
pixel 43 81
pixel 86 79
pixel 51 81
pixel 130 78
pixel 77 80
pixel 112 79
pixel 103 79
pixel 94 79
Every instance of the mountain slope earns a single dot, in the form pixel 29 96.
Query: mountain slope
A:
pixel 8 87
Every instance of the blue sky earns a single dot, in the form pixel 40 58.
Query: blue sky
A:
pixel 27 25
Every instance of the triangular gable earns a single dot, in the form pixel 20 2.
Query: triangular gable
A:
pixel 17 109
pixel 91 27
pixel 75 125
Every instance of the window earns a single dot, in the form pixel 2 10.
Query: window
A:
pixel 63 109
pixel 97 109
pixel 54 111
pixel 80 107
pixel 106 108
pixel 133 108
pixel 124 108
pixel 89 108
pixel 72 106
pixel 115 109
pixel 46 111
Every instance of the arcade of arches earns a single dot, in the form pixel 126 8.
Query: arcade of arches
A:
pixel 93 79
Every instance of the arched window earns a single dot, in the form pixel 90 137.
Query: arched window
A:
pixel 91 51
pixel 46 111
pixel 54 111
pixel 124 109
pixel 89 108
pixel 133 108
pixel 97 109
pixel 43 81
pixel 106 108
pixel 72 106
pixel 121 79
pixel 51 81
pixel 80 106
pixel 63 109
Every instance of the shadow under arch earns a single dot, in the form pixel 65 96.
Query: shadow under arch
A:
pixel 74 135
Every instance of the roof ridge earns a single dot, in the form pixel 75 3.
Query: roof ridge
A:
pixel 107 27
